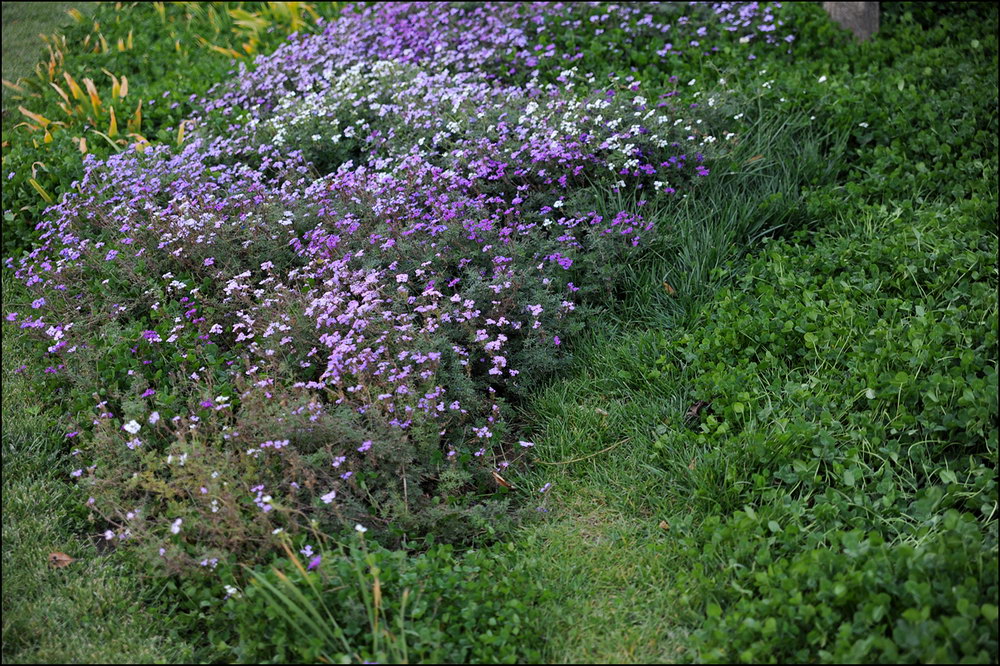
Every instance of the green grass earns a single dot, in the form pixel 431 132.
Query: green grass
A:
pixel 94 610
pixel 22 23
pixel 601 547
pixel 621 581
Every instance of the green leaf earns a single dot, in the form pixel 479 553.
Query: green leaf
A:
pixel 989 612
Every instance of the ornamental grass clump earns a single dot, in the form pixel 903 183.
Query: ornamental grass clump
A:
pixel 319 309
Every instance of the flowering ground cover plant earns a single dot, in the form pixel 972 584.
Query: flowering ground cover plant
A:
pixel 321 306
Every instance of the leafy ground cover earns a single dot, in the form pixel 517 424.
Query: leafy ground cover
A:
pixel 479 275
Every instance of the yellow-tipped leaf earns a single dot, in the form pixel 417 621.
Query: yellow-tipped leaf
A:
pixel 74 89
pixel 40 190
pixel 40 119
pixel 95 99
pixel 134 124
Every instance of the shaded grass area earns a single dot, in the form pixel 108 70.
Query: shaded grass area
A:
pixel 95 610
pixel 22 23
pixel 603 546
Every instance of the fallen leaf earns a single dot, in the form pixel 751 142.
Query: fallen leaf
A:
pixel 694 410
pixel 664 525
pixel 60 560
pixel 502 481
pixel 670 290
pixel 691 465
pixel 754 159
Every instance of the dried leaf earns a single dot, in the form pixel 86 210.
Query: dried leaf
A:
pixel 38 118
pixel 502 481
pixel 695 409
pixel 691 464
pixel 664 525
pixel 60 560
pixel 670 290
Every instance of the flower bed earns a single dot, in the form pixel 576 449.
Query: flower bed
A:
pixel 321 307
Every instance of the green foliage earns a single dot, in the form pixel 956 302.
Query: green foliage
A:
pixel 368 603
pixel 917 101
pixel 835 500
pixel 99 608
pixel 847 459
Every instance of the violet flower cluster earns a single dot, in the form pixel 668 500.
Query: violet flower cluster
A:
pixel 371 243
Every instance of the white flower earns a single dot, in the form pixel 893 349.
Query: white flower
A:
pixel 862 124
pixel 329 497
pixel 277 530
pixel 822 79
pixel 231 591
pixel 360 528
pixel 154 417
pixel 132 427
pixel 526 444
pixel 176 527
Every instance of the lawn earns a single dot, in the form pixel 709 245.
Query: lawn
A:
pixel 508 333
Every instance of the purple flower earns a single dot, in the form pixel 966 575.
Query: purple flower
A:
pixel 314 563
